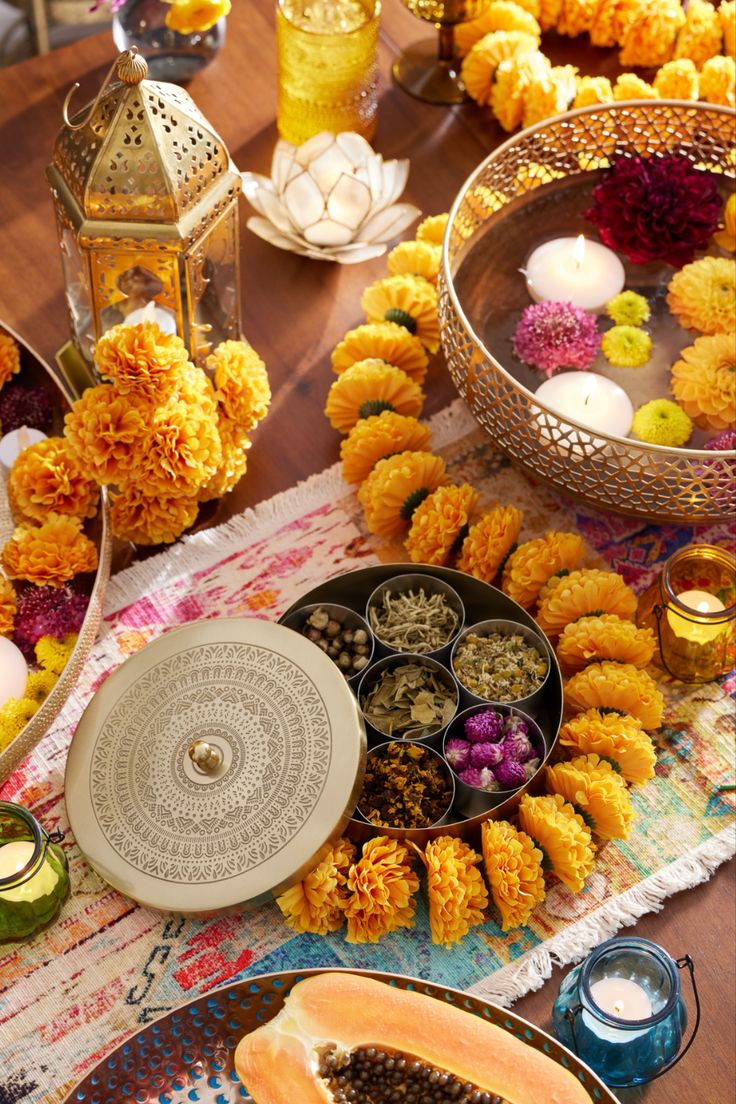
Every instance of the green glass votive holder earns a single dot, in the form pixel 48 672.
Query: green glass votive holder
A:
pixel 34 873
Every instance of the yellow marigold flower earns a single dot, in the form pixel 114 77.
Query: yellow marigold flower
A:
pixel 606 636
pixel 49 478
pixel 727 16
pixel 700 36
pixel 661 422
pixel 626 346
pixel 619 686
pixel 597 792
pixel 592 90
pixel 650 39
pixel 702 295
pixel 549 13
pixel 317 903
pixel 369 387
pixel 141 359
pixel 381 889
pixel 396 486
pixel 14 716
pixel 630 87
pixel 409 300
pixel 52 654
pixel 479 67
pixel 611 19
pixel 381 435
pixel 513 77
pixel 432 229
pixel 587 592
pixel 550 94
pixel 726 237
pixel 677 80
pixel 415 258
pixel 455 889
pixel 9 358
pixel 500 15
pixel 8 606
pixel 489 542
pixel 439 522
pixel 234 462
pixel 562 835
pixel 718 81
pixel 241 383
pixel 514 872
pixel 106 430
pixel 619 738
pixel 151 519
pixel 576 17
pixel 704 381
pixel 385 341
pixel 39 685
pixel 628 309
pixel 189 17
pixel 180 452
pixel 51 553
pixel 530 566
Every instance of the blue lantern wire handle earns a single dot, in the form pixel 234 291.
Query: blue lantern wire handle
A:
pixel 571 1015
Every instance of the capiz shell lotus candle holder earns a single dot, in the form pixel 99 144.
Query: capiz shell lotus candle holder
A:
pixel 332 199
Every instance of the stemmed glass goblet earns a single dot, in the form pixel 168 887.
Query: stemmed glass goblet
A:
pixel 430 70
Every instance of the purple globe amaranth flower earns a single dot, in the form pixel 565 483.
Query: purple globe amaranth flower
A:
pixel 515 724
pixel 24 406
pixel 485 754
pixel 47 611
pixel 457 754
pixel 510 774
pixel 484 727
pixel 656 209
pixel 718 473
pixel 471 777
pixel 517 746
pixel 556 335
pixel 488 780
pixel 725 441
pixel 530 769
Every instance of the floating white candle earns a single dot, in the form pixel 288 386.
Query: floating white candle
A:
pixel 590 399
pixel 13 671
pixel 622 998
pixel 13 443
pixel 574 270
pixel 698 632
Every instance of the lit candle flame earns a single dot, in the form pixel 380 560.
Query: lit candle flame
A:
pixel 578 250
pixel 703 607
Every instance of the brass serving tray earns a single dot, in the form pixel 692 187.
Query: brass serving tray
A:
pixel 187 1055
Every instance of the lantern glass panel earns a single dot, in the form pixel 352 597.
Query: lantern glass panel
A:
pixel 213 285
pixel 125 282
pixel 78 298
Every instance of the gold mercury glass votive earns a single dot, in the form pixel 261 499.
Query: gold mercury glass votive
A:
pixel 692 610
pixel 328 68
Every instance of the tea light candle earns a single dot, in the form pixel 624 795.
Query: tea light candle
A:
pixel 622 998
pixel 698 632
pixel 593 400
pixel 574 270
pixel 162 316
pixel 14 858
pixel 13 443
pixel 13 671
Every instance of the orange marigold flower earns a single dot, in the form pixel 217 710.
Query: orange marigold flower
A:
pixel 530 566
pixel 726 237
pixel 612 18
pixel 432 229
pixel 195 16
pixel 513 77
pixel 562 835
pixel 455 889
pixel 180 453
pixel 51 553
pixel 576 17
pixel 630 87
pixel 500 15
pixel 8 606
pixel 605 637
pixel 704 381
pixel 700 36
pixel 409 300
pixel 619 686
pixel 438 523
pixel 233 464
pixel 583 593
pixel 727 16
pixel 617 737
pixel 514 872
pixel 677 80
pixel 9 358
pixel 317 904
pixel 479 67
pixel 650 39
pixel 386 341
pixel 549 94
pixel 489 542
pixel 370 387
pixel 381 889
pixel 241 383
pixel 141 359
pixel 702 295
pixel 143 519
pixel 592 90
pixel 381 435
pixel 396 486
pixel 106 430
pixel 718 81
pixel 415 258
pixel 49 478
pixel 597 792
pixel 549 13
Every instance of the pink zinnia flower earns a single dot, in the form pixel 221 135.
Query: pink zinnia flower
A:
pixel 556 335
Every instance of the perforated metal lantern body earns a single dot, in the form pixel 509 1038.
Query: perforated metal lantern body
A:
pixel 146 206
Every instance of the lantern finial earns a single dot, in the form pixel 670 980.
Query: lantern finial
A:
pixel 132 67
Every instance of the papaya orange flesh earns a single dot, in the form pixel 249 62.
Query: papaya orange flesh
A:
pixel 330 1023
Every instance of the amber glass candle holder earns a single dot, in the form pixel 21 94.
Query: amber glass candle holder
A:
pixel 34 874
pixel 692 610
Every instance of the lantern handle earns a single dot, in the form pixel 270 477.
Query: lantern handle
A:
pixel 130 68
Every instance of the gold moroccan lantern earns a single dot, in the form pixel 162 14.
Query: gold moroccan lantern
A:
pixel 146 206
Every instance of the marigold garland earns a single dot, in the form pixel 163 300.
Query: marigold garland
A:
pixel 582 593
pixel 107 431
pixel 592 90
pixel 500 15
pixel 677 80
pixel 386 341
pixel 533 563
pixel 596 791
pixel 549 93
pixel 241 383
pixel 180 451
pixel 704 381
pixel 605 637
pixel 718 80
pixel 649 39
pixel 369 387
pixel 49 477
pixel 512 80
pixel 439 522
pixel 455 889
pixel 395 487
pixel 415 258
pixel 432 229
pixel 409 300
pixel 617 737
pixel 384 434
pixel 700 36
pixel 619 686
pixel 562 835
pixel 317 903
pixel 479 66
pixel 381 888
pixel 233 464
pixel 51 553
pixel 702 295
pixel 727 15
pixel 8 606
pixel 513 866
pixel 489 542
pixel 141 359
pixel 143 518
pixel 9 358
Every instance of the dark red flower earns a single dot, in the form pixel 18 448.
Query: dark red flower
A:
pixel 656 209
pixel 47 611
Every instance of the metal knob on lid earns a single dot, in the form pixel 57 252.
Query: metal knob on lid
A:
pixel 206 757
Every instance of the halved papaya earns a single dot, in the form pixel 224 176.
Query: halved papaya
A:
pixel 345 1038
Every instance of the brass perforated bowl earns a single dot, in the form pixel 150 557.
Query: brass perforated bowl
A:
pixel 553 160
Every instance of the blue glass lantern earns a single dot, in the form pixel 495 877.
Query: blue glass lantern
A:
pixel 622 1011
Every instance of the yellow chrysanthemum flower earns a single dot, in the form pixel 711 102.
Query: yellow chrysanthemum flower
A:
pixel 718 81
pixel 597 792
pixel 726 237
pixel 395 487
pixel 51 553
pixel 607 636
pixel 626 346
pixel 381 435
pixel 369 387
pixel 677 80
pixel 415 258
pixel 587 592
pixel 702 295
pixel 617 737
pixel 727 16
pixel 619 686
pixel 700 36
pixel 49 478
pixel 479 66
pixel 592 90
pixel 650 39
pixel 107 431
pixel 8 606
pixel 234 462
pixel 704 381
pixel 189 17
pixel 661 422
pixel 381 888
pixel 513 77
pixel 530 566
pixel 14 716
pixel 385 341
pixel 409 300
pixel 549 13
pixel 141 359
pixel 39 685
pixel 241 383
pixel 489 542
pixel 562 835
pixel 628 308
pixel 455 889
pixel 514 871
pixel 576 17
pixel 317 903
pixel 432 229
pixel 151 519
pixel 9 358
pixel 500 15
pixel 53 654
pixel 630 87
pixel 438 523
pixel 550 94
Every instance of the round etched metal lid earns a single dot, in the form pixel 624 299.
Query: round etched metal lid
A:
pixel 210 768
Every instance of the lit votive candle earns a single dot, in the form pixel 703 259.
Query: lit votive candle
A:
pixel 700 602
pixel 622 998
pixel 14 858
pixel 574 270
pixel 13 443
pixel 164 318
pixel 592 400
pixel 13 671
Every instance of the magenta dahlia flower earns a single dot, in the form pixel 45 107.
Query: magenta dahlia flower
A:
pixel 554 335
pixel 47 611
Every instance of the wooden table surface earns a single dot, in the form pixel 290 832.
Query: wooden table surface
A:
pixel 294 312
